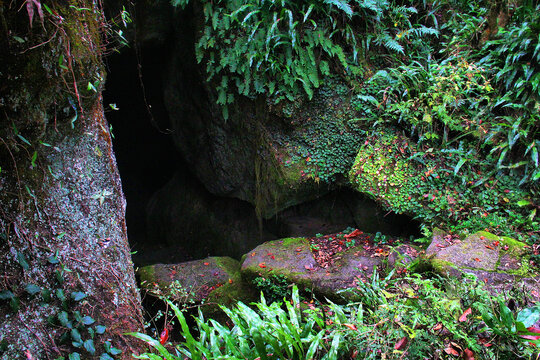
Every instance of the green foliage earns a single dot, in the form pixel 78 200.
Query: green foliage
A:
pixel 274 288
pixel 515 57
pixel 284 49
pixel 425 315
pixel 450 188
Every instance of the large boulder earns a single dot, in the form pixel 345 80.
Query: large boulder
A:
pixel 334 277
pixel 208 282
pixel 501 262
pixel 272 155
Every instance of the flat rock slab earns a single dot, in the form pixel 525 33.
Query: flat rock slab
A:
pixel 500 262
pixel 214 280
pixel 293 259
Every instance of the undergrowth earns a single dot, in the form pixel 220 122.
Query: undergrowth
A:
pixel 414 317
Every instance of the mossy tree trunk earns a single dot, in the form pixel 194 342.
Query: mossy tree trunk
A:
pixel 66 276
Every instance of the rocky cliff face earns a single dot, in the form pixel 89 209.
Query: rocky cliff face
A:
pixel 67 283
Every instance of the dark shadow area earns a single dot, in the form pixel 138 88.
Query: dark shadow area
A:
pixel 144 150
pixel 337 211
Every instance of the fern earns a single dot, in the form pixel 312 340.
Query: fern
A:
pixel 341 5
pixel 285 48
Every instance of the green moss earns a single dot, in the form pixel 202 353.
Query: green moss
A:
pixel 442 266
pixel 381 171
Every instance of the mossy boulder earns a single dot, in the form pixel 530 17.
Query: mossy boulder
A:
pixel 385 174
pixel 501 262
pixel 208 282
pixel 293 259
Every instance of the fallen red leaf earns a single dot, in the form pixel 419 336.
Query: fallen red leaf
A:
pixel 262 265
pixel 477 259
pixel 451 351
pixel 401 343
pixel 468 354
pixel 298 249
pixel 495 243
pixel 273 257
pixel 355 233
pixel 489 247
pixel 206 264
pixel 532 329
pixel 350 326
pixel 164 336
pixel 463 316
pixel 437 327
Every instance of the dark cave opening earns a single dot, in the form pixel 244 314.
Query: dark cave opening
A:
pixel 144 150
pixel 171 217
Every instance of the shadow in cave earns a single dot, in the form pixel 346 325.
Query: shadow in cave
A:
pixel 144 149
pixel 338 210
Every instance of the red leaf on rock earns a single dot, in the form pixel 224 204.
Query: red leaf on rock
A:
pixel 262 265
pixel 463 316
pixel 206 264
pixel 477 259
pixel 401 343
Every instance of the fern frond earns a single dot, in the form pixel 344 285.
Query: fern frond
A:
pixel 389 42
pixel 424 31
pixel 341 5
pixel 181 3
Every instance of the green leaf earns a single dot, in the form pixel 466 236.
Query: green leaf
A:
pixel 74 356
pixel 459 165
pixel 115 351
pixel 21 259
pixel 32 289
pixel 523 202
pixel 78 295
pixel 89 346
pixel 60 295
pixel 100 329
pixel 529 316
pixel 23 139
pixel 34 158
pixel 64 319
pixel 87 320
pixel 6 295
pixel 76 336
pixel 506 316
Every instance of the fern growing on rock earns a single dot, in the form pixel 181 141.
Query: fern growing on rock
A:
pixel 284 49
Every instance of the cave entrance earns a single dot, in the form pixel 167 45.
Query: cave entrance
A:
pixel 171 217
